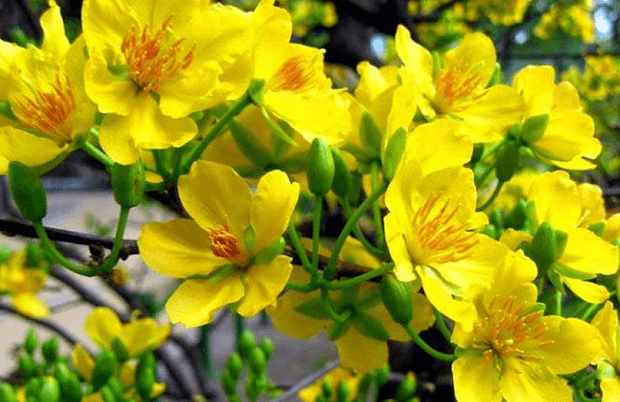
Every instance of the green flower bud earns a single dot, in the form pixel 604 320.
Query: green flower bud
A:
pixel 27 366
pixel 108 395
pixel 320 398
pixel 266 344
pixel 7 394
pixel 27 191
pixel 507 161
pixel 70 385
pixel 34 255
pixel 342 176
pixel 114 384
pixel 327 389
pixel 370 136
pixel 228 383
pixel 312 308
pixel 394 152
pixel 397 299
pixel 543 248
pixel 382 375
pixel 365 383
pixel 320 168
pixel 147 362
pixel 119 349
pixel 249 144
pixel 490 230
pixel 369 326
pixel 518 215
pixel 406 389
pixel 274 249
pixel 255 91
pixel 128 184
pixel 234 364
pixel 144 383
pixel 495 218
pixel 534 128
pixel 246 344
pixel 104 367
pixel 256 361
pixel 49 349
pixel 32 339
pixel 50 390
pixel 342 392
pixel 33 387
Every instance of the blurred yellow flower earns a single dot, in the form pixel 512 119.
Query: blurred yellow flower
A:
pixel 22 283
pixel 334 377
pixel 229 253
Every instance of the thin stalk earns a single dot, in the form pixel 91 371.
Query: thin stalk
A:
pixel 376 211
pixel 426 347
pixel 346 283
pixel 492 197
pixel 205 344
pixel 239 328
pixel 358 232
pixel 316 230
pixel 557 303
pixel 93 151
pixel 331 313
pixel 293 237
pixel 441 325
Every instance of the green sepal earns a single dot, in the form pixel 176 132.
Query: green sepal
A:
pixel 312 308
pixel 246 344
pixel 342 391
pixel 128 184
pixel 114 384
pixel 342 176
pixel 255 91
pixel 476 154
pixel 370 136
pixel 27 366
pixel 496 218
pixel 337 329
pixel 144 382
pixel 555 280
pixel 320 167
pixel 119 349
pixel 534 128
pixel 397 299
pixel 257 363
pixel 294 163
pixel 572 273
pixel 496 78
pixel 276 130
pixel 382 375
pixel 507 161
pixel 320 398
pixel 357 153
pixel 147 362
pixel 249 144
pixel 561 238
pixel 327 389
pixel 365 383
pixel 605 369
pixel 394 152
pixel 370 327
pixel 7 393
pixel 518 215
pixel 7 111
pixel 274 249
pixel 34 255
pixel 530 212
pixel 598 228
pixel 104 368
pixel 31 342
pixel 27 191
pixel 437 63
pixel 50 390
pixel 491 231
pixel 534 308
pixel 5 253
pixel 266 344
pixel 249 238
pixel 543 248
pixel 49 349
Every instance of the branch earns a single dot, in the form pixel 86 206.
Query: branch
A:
pixel 292 392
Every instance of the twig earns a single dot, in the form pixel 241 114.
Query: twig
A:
pixel 292 392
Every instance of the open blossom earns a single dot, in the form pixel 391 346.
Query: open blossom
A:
pixel 459 89
pixel 223 255
pixel 45 90
pixel 151 63
pixel 431 224
pixel 514 352
pixel 22 283
pixel 606 322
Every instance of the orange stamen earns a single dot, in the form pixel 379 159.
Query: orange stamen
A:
pixel 456 83
pixel 295 75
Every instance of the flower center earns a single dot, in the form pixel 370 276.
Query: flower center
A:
pixel 295 75
pixel 509 330
pixel 224 244
pixel 151 58
pixel 439 237
pixel 47 110
pixel 456 83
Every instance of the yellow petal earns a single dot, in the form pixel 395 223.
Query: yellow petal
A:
pixel 513 238
pixel 557 200
pixel 575 344
pixel 569 137
pixel 82 361
pixel 398 248
pixel 592 204
pixel 144 334
pixel 586 252
pixel 475 379
pixel 361 353
pixel 588 291
pixel 195 301
pixel 29 304
pixel 373 81
pixel 522 383
pixel 290 322
pixel 263 284
pixel 105 23
pixel 273 204
pixel 27 148
pixel 54 38
pixel 606 322
pixel 423 317
pixel 417 60
pixel 178 248
pixel 610 388
pixel 476 51
pixel 535 84
pixel 102 325
pixel 215 194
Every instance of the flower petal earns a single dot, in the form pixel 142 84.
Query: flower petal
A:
pixel 586 252
pixel 535 84
pixel 178 248
pixel 263 284
pixel 27 148
pixel 54 37
pixel 105 23
pixel 610 388
pixel 557 200
pixel 475 379
pixel 195 301
pixel 523 383
pixel 288 321
pixel 102 326
pixel 144 334
pixel 606 322
pixel 30 304
pixel 111 94
pixel 361 353
pixel 588 291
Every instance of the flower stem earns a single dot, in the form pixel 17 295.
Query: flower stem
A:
pixel 96 153
pixel 239 328
pixel 316 231
pixel 105 266
pixel 492 197
pixel 441 325
pixel 358 233
pixel 205 343
pixel 346 283
pixel 557 302
pixel 376 211
pixel 330 310
pixel 355 217
pixel 295 241
pixel 426 347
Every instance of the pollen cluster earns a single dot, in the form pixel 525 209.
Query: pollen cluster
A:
pixel 295 75
pixel 456 83
pixel 223 243
pixel 150 59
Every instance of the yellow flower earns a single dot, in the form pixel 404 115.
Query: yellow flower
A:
pixel 355 349
pixel 569 136
pixel 143 51
pixel 22 283
pixel 514 190
pixel 557 202
pixel 514 353
pixel 138 336
pixel 226 254
pixel 459 87
pixel 334 377
pixel 430 227
pixel 606 322
pixel 45 90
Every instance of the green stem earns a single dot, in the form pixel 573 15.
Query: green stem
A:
pixel 492 197
pixel 96 153
pixel 376 211
pixel 232 112
pixel 239 328
pixel 355 217
pixel 441 325
pixel 316 231
pixel 105 266
pixel 480 179
pixel 426 347
pixel 205 343
pixel 346 283
pixel 301 287
pixel 295 241
pixel 331 313
pixel 358 232
pixel 557 303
